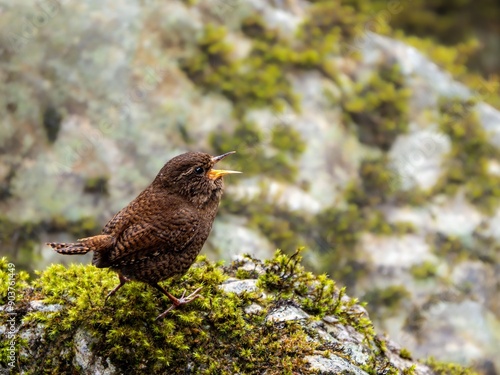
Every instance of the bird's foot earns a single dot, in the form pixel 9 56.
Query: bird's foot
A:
pixel 123 280
pixel 176 302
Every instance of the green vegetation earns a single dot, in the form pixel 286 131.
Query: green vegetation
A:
pixel 424 270
pixel 96 185
pixel 256 81
pixel 123 329
pixel 212 335
pixel 202 334
pixel 442 368
pixel 379 107
pixel 405 353
pixel 466 167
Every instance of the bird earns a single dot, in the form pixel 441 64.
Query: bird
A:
pixel 159 234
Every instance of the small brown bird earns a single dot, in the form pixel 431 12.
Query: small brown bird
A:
pixel 160 233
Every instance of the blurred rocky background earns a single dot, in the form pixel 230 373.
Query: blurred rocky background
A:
pixel 367 132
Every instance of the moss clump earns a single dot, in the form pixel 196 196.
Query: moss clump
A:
pixel 443 368
pixel 315 294
pixel 212 335
pixel 332 25
pixel 257 80
pixel 201 336
pixel 287 140
pixel 466 166
pixel 96 185
pixel 378 184
pixel 455 249
pixel 424 270
pixel 449 247
pixel 410 370
pixel 405 353
pixel 380 107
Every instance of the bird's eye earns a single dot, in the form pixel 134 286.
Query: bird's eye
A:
pixel 199 170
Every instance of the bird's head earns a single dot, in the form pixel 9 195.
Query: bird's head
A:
pixel 192 175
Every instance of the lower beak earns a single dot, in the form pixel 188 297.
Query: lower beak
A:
pixel 214 174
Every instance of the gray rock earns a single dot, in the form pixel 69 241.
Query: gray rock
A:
pixel 239 286
pixel 41 306
pixel 333 365
pixel 232 238
pixel 466 330
pixel 286 313
pixel 253 309
pixel 86 359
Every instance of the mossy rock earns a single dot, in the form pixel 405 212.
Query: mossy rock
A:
pixel 280 319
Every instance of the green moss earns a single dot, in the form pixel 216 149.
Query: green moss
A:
pixel 377 184
pixel 379 107
pixel 442 368
pixel 96 185
pixel 317 295
pixel 257 80
pixel 424 270
pixel 287 139
pixel 410 370
pixel 405 353
pixel 432 28
pixel 455 249
pixel 378 362
pixel 211 335
pixel 201 334
pixel 466 166
pixel 332 25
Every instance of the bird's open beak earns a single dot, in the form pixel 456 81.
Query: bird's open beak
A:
pixel 214 174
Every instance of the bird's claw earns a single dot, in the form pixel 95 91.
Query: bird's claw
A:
pixel 123 280
pixel 179 302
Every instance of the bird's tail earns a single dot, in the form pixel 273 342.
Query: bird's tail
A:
pixel 84 245
pixel 69 248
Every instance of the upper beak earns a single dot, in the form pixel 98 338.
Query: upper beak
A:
pixel 214 174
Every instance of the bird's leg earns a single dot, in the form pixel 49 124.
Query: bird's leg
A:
pixel 176 302
pixel 123 280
